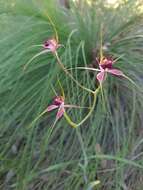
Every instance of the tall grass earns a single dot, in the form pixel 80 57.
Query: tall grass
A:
pixel 108 146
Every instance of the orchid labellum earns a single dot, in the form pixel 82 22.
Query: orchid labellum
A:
pixel 51 45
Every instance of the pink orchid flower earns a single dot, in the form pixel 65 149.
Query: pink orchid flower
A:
pixel 59 104
pixel 106 66
pixel 51 45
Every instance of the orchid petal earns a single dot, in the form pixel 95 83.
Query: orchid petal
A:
pixel 35 56
pixel 85 68
pixel 37 45
pixel 115 72
pixel 52 107
pixel 75 106
pixel 61 112
pixel 101 76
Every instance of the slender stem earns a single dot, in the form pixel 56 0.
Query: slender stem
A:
pixel 40 115
pixel 52 24
pixel 69 74
pixel 92 108
pixel 62 90
pixel 73 124
pixel 35 56
pixel 101 43
pixel 102 96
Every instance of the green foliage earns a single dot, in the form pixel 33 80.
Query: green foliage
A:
pixel 108 146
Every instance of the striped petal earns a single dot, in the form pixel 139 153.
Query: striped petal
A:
pixel 52 107
pixel 60 112
pixel 115 72
pixel 101 76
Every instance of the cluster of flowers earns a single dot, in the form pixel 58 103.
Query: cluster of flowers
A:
pixel 105 66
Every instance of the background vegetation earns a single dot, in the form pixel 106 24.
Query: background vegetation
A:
pixel 108 147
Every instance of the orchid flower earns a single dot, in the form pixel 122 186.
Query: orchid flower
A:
pixel 51 45
pixel 59 104
pixel 106 66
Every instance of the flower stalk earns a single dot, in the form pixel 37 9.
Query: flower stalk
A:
pixel 70 75
pixel 75 125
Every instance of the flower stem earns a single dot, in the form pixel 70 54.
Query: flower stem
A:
pixel 36 119
pixel 69 74
pixel 87 116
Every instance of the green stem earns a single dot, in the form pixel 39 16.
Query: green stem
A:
pixel 69 74
pixel 73 124
pixel 36 119
pixel 102 97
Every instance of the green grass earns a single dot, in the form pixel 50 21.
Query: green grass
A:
pixel 108 146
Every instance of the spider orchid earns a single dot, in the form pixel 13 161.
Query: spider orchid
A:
pixel 50 45
pixel 106 66
pixel 59 104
